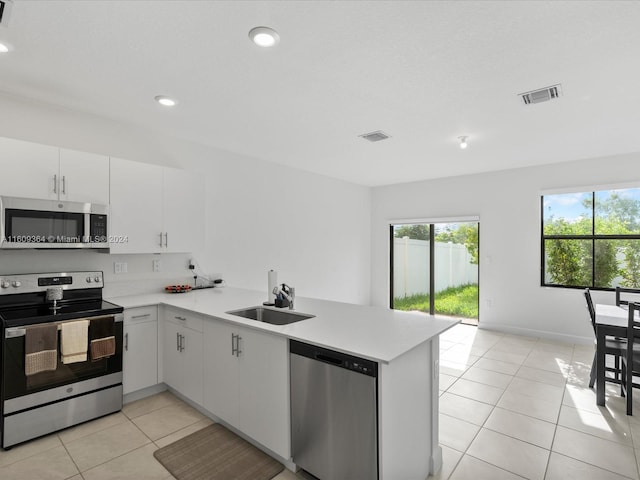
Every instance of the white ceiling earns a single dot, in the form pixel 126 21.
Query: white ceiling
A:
pixel 425 72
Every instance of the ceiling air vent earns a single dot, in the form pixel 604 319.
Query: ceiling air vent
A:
pixel 541 95
pixel 375 136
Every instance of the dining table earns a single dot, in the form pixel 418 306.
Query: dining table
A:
pixel 611 320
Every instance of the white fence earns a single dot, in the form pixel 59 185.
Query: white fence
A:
pixel 453 266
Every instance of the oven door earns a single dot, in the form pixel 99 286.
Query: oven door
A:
pixel 20 391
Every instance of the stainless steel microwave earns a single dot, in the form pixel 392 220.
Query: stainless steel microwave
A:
pixel 32 223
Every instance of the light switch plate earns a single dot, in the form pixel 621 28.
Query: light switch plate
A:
pixel 156 265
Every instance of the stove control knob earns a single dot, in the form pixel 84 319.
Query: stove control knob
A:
pixel 5 284
pixel 96 279
pixel 89 279
pixel 16 283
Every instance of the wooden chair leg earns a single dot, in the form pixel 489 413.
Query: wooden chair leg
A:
pixel 592 377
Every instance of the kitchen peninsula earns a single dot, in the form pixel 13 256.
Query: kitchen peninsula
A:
pixel 246 384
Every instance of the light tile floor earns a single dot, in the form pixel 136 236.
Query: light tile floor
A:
pixel 511 407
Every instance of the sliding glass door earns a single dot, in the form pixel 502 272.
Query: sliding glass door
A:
pixel 434 268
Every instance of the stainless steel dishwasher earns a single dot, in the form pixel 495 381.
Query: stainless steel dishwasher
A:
pixel 334 411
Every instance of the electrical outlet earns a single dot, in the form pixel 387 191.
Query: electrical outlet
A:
pixel 157 266
pixel 119 267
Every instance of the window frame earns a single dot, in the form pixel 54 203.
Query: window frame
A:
pixel 592 237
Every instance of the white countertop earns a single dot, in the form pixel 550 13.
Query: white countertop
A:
pixel 375 333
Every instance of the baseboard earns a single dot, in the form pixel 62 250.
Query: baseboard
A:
pixel 529 332
pixel 143 393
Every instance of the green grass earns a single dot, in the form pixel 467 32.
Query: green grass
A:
pixel 456 301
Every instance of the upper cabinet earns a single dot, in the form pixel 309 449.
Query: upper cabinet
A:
pixel 135 222
pixel 83 177
pixel 155 209
pixel 30 169
pixel 41 171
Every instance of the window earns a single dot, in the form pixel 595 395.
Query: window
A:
pixel 591 239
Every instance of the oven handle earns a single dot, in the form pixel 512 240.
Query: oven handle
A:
pixel 15 332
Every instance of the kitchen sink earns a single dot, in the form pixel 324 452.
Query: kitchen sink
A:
pixel 268 315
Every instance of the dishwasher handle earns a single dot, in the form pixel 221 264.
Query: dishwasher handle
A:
pixel 326 358
pixel 337 359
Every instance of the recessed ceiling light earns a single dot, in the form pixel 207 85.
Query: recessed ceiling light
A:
pixel 166 101
pixel 4 48
pixel 463 142
pixel 264 36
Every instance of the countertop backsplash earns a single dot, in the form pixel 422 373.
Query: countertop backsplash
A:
pixel 139 277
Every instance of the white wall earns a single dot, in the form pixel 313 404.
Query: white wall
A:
pixel 508 204
pixel 312 229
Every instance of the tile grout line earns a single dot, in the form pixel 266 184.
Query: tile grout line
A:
pixel 70 457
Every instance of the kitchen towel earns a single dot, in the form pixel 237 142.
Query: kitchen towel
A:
pixel 40 348
pixel 102 337
pixel 74 338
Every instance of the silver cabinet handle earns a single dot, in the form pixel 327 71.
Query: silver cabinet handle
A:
pixel 64 185
pixel 126 342
pixel 141 316
pixel 234 349
pixel 166 239
pixel 182 346
pixel 55 184
pixel 161 239
pixel 238 351
pixel 177 341
pixel 180 318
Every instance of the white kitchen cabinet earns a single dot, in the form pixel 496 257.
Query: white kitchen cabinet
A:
pixel 136 207
pixel 220 389
pixel 182 353
pixel 183 211
pixel 140 349
pixel 46 172
pixel 155 209
pixel 246 382
pixel 31 169
pixel 83 177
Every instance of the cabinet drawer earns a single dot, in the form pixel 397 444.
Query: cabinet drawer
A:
pixel 140 314
pixel 185 318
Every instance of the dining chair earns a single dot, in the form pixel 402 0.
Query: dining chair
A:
pixel 613 346
pixel 631 358
pixel 634 295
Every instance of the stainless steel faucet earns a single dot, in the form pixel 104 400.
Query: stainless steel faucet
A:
pixel 287 292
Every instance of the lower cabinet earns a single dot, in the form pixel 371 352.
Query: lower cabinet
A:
pixel 182 353
pixel 246 382
pixel 140 349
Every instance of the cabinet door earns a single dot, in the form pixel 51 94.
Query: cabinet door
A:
pixel 220 372
pixel 264 390
pixel 140 358
pixel 136 207
pixel 183 208
pixel 84 177
pixel 172 359
pixel 192 365
pixel 29 169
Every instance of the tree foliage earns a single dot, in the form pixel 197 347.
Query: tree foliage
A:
pixel 419 231
pixel 570 261
pixel 461 233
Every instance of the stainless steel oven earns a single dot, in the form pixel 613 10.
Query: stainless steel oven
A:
pixel 32 223
pixel 42 388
